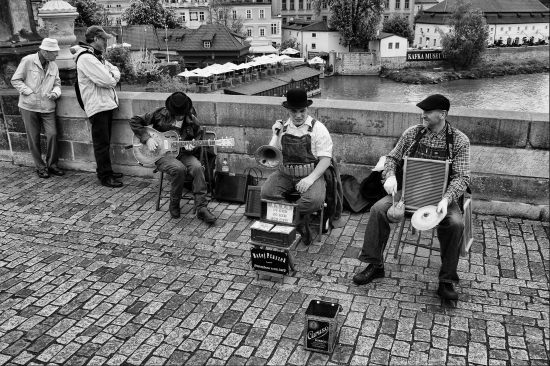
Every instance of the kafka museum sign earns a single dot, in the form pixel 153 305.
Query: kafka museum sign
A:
pixel 432 55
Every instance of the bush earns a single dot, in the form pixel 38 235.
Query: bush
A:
pixel 145 66
pixel 120 57
pixel 167 84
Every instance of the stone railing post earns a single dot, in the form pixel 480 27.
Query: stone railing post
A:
pixel 58 17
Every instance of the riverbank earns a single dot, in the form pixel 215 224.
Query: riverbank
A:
pixel 486 70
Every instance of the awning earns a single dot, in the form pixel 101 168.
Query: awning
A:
pixel 262 49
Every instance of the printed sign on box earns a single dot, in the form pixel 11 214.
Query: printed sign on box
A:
pixel 269 260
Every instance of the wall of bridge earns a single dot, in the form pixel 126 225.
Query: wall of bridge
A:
pixel 509 152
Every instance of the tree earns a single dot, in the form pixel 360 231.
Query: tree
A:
pixel 398 25
pixel 221 12
pixel 90 13
pixel 467 36
pixel 290 43
pixel 150 12
pixel 356 20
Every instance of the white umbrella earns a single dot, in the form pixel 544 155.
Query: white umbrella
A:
pixel 230 66
pixel 187 74
pixel 290 51
pixel 117 45
pixel 316 60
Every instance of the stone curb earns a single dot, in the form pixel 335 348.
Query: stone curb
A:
pixel 511 209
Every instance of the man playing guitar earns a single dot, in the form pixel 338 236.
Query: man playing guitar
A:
pixel 180 116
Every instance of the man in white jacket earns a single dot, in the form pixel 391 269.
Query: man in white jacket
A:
pixel 97 79
pixel 38 83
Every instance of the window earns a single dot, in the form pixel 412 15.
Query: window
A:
pixel 533 27
pixel 390 46
pixel 206 44
pixel 325 19
pixel 284 20
pixel 118 21
pixel 201 16
pixel 397 4
pixel 324 5
pixel 501 29
pixel 182 17
pixel 525 28
pixel 308 18
pixel 221 15
pixel 289 33
pixel 234 13
pixel 420 40
pixel 386 17
pixel 291 4
pixel 262 32
pixel 406 4
pixel 193 16
pixel 300 4
pixel 308 4
pixel 428 30
pixel 396 45
pixel 249 14
pixel 313 35
pixel 518 29
pixel 491 29
pixel 274 28
pixel 119 6
pixel 509 28
pixel 249 32
pixel 262 14
pixel 283 5
pixel 386 4
pixel 435 41
pixel 313 46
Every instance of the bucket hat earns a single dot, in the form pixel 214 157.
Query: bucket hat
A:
pixel 297 99
pixel 49 44
pixel 179 104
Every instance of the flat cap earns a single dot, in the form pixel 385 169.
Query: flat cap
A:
pixel 435 101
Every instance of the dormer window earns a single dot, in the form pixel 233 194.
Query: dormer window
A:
pixel 206 44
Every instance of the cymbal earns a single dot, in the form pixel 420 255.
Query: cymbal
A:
pixel 426 218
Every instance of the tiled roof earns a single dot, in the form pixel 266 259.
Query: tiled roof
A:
pixel 490 18
pixel 284 78
pixel 317 27
pixel 383 35
pixel 222 39
pixel 494 6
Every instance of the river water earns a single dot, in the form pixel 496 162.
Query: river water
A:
pixel 528 92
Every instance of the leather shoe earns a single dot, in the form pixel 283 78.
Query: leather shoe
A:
pixel 368 274
pixel 117 175
pixel 43 173
pixel 111 182
pixel 305 231
pixel 205 215
pixel 56 171
pixel 446 291
pixel 175 208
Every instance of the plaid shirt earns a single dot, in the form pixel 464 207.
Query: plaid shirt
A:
pixel 460 175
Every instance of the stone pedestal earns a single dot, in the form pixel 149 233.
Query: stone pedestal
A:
pixel 58 17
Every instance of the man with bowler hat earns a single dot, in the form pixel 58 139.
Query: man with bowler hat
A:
pixel 178 115
pixel 434 139
pixel 306 146
pixel 97 79
pixel 38 83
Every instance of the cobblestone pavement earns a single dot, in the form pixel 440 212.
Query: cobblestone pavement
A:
pixel 92 275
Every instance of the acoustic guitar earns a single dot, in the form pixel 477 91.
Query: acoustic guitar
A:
pixel 169 143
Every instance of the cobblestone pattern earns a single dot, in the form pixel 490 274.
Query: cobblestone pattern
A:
pixel 95 276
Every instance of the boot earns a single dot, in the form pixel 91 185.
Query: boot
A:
pixel 304 230
pixel 175 208
pixel 205 215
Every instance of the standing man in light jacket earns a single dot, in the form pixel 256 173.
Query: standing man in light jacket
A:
pixel 97 79
pixel 38 83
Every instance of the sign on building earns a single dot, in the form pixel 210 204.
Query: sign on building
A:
pixel 432 55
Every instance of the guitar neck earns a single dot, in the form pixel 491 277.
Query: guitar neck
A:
pixel 196 143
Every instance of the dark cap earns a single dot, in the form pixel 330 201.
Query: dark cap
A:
pixel 97 31
pixel 179 104
pixel 297 99
pixel 436 101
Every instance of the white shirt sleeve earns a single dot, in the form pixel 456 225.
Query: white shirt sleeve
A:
pixel 322 141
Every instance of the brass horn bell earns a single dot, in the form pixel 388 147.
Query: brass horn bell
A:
pixel 268 156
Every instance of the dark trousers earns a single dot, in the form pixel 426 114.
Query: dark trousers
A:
pixel 178 169
pixel 449 233
pixel 101 138
pixel 33 122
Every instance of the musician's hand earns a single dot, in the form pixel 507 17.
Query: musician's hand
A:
pixel 188 147
pixel 277 126
pixel 304 184
pixel 391 185
pixel 192 119
pixel 442 206
pixel 152 144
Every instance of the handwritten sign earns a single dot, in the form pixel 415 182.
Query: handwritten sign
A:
pixel 280 212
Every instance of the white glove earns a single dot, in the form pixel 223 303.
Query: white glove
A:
pixel 391 185
pixel 278 125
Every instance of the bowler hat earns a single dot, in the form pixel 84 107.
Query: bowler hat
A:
pixel 297 99
pixel 436 101
pixel 179 104
pixel 49 44
pixel 97 31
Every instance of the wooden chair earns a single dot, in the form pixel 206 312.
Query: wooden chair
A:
pixel 208 169
pixel 424 183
